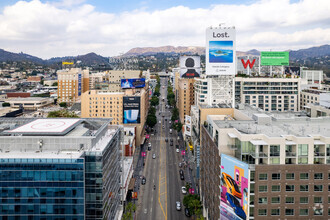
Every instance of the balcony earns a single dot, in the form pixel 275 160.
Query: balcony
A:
pixel 259 155
pixel 319 154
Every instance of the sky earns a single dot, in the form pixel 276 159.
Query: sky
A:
pixel 55 28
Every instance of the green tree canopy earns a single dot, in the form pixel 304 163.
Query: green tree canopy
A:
pixel 62 114
pixel 5 104
pixel 151 120
pixel 63 104
pixel 154 101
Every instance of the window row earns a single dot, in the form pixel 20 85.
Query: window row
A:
pixel 291 188
pixel 291 176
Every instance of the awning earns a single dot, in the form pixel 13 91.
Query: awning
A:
pixel 317 142
pixel 258 142
pixel 290 143
pixel 131 184
pixel 231 135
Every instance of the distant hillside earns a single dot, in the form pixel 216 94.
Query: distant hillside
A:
pixel 310 52
pixel 164 49
pixel 6 56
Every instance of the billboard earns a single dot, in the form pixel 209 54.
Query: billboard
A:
pixel 292 70
pixel 188 125
pixel 133 83
pixel 131 110
pixel 234 188
pixel 79 84
pixel 190 66
pixel 274 58
pixel 220 51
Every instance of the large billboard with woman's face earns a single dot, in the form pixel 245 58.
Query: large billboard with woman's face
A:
pixel 234 182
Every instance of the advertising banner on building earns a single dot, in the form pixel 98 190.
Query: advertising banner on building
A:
pixel 274 58
pixel 188 125
pixel 292 70
pixel 79 84
pixel 234 182
pixel 190 66
pixel 131 110
pixel 220 51
pixel 133 83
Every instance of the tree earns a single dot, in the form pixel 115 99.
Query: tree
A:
pixel 62 114
pixel 129 210
pixel 151 120
pixel 152 111
pixel 55 84
pixel 6 104
pixel 154 101
pixel 63 104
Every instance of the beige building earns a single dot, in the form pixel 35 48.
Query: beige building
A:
pixel 30 103
pixel 71 84
pixel 106 104
pixel 185 96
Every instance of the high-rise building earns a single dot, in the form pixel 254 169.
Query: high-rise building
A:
pixel 59 169
pixel 186 96
pixel 269 94
pixel 286 159
pixel 71 84
pixel 116 105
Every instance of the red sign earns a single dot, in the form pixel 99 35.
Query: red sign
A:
pixel 245 64
pixel 143 154
pixel 183 152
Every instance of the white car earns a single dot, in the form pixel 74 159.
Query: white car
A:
pixel 149 145
pixel 178 205
pixel 184 190
pixel 177 150
pixel 154 156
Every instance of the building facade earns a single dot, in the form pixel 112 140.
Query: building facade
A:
pixel 59 169
pixel 269 94
pixel 186 96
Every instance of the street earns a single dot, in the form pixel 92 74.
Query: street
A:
pixel 163 171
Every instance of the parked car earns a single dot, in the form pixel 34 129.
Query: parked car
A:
pixel 234 203
pixel 232 186
pixel 187 212
pixel 184 190
pixel 149 144
pixel 180 165
pixel 182 177
pixel 181 172
pixel 149 148
pixel 177 150
pixel 178 205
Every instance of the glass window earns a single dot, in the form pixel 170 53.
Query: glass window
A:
pixel 302 149
pixel 304 176
pixel 303 200
pixel 318 176
pixel 289 211
pixel 318 188
pixel 262 200
pixel 263 188
pixel 263 176
pixel 290 176
pixel 303 212
pixel 275 212
pixel 276 188
pixel 289 200
pixel 276 200
pixel 318 200
pixel 289 188
pixel 276 176
pixel 303 188
pixel 262 212
pixel 318 211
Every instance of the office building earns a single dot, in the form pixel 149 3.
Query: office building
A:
pixel 30 103
pixel 104 104
pixel 185 96
pixel 269 94
pixel 321 108
pixel 312 76
pixel 59 169
pixel 287 161
pixel 71 84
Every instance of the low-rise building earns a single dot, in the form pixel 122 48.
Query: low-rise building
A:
pixel 30 103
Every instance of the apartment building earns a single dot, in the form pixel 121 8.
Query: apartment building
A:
pixel 71 84
pixel 269 94
pixel 288 161
pixel 106 104
pixel 186 96
pixel 320 108
pixel 55 169
pixel 201 91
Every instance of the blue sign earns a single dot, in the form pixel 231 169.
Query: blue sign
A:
pixel 133 83
pixel 79 84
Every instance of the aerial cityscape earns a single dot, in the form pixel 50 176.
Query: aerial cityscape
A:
pixel 164 110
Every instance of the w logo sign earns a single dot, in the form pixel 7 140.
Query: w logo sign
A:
pixel 245 64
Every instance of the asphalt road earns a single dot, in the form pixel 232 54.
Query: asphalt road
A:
pixel 163 172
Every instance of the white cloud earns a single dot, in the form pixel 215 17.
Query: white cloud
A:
pixel 46 30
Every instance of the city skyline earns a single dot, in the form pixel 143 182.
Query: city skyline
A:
pixel 63 28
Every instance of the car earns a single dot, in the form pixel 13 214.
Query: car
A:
pixel 143 182
pixel 183 190
pixel 177 150
pixel 166 140
pixel 169 122
pixel 163 126
pixel 149 144
pixel 165 119
pixel 181 172
pixel 180 165
pixel 149 148
pixel 171 140
pixel 231 184
pixel 178 205
pixel 182 177
pixel 234 203
pixel 187 212
pixel 170 131
pixel 153 156
pixel 171 144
